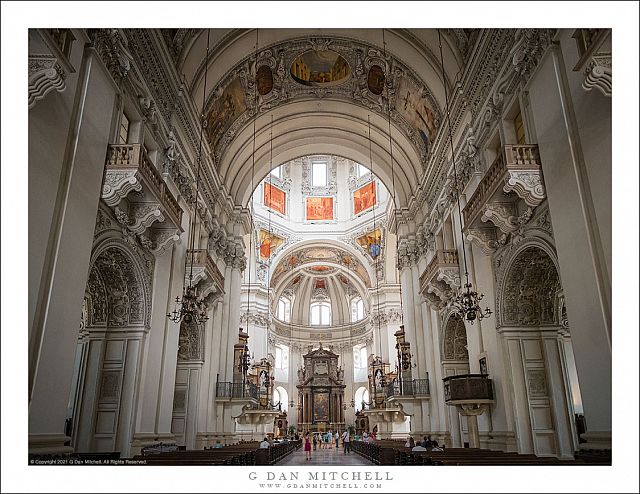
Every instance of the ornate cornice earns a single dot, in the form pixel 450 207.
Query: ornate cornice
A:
pixel 503 61
pixel 257 318
pixel 165 89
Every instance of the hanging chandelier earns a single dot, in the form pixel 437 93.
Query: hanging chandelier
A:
pixel 191 307
pixel 466 303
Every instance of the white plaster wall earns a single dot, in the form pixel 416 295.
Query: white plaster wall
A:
pixel 578 267
pixel 58 323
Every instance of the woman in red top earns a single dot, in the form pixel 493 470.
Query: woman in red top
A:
pixel 307 446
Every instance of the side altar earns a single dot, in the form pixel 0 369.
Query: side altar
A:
pixel 320 391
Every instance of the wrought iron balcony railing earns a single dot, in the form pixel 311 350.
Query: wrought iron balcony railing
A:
pixel 236 390
pixel 414 387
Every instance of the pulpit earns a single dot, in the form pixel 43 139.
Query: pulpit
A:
pixel 320 391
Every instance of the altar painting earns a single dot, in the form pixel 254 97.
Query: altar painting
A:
pixel 321 407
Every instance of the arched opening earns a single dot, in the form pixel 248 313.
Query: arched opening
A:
pixel 357 309
pixel 115 321
pixel 284 309
pixel 361 395
pixel 532 306
pixel 280 396
pixel 320 314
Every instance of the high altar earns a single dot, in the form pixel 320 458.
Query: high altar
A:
pixel 320 392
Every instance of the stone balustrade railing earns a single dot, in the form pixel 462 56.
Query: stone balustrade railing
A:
pixel 487 186
pixel 441 259
pixel 122 157
pixel 503 176
pixel 202 259
pixel 522 156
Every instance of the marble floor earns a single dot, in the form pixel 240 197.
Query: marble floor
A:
pixel 328 457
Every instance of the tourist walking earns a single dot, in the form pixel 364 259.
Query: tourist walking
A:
pixel 307 446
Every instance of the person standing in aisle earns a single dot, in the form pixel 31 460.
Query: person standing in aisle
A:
pixel 307 447
pixel 346 441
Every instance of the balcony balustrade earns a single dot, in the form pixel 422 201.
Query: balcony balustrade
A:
pixel 236 390
pixel 205 273
pixel 408 387
pixel 441 278
pixel 140 199
pixel 505 197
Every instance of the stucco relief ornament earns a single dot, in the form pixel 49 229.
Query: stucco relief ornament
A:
pixel 598 74
pixel 528 185
pixel 45 75
pixel 172 155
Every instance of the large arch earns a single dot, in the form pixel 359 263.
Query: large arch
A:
pixel 312 120
pixel 418 49
pixel 319 127
pixel 118 311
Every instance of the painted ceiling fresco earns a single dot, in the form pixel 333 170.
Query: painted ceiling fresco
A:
pixel 308 255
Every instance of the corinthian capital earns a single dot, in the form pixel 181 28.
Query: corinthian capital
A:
pixel 111 45
pixel 408 252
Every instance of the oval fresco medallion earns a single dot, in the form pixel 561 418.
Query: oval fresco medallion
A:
pixel 264 80
pixel 320 68
pixel 375 79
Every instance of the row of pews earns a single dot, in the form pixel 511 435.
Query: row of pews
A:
pixel 390 452
pixel 243 453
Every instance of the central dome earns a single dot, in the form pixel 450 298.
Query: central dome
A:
pixel 320 223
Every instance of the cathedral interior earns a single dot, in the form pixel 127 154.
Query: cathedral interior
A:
pixel 240 234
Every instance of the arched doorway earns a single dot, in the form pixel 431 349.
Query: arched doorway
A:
pixel 539 353
pixel 115 321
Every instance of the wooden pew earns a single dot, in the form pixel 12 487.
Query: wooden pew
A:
pixel 243 453
pixel 388 452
